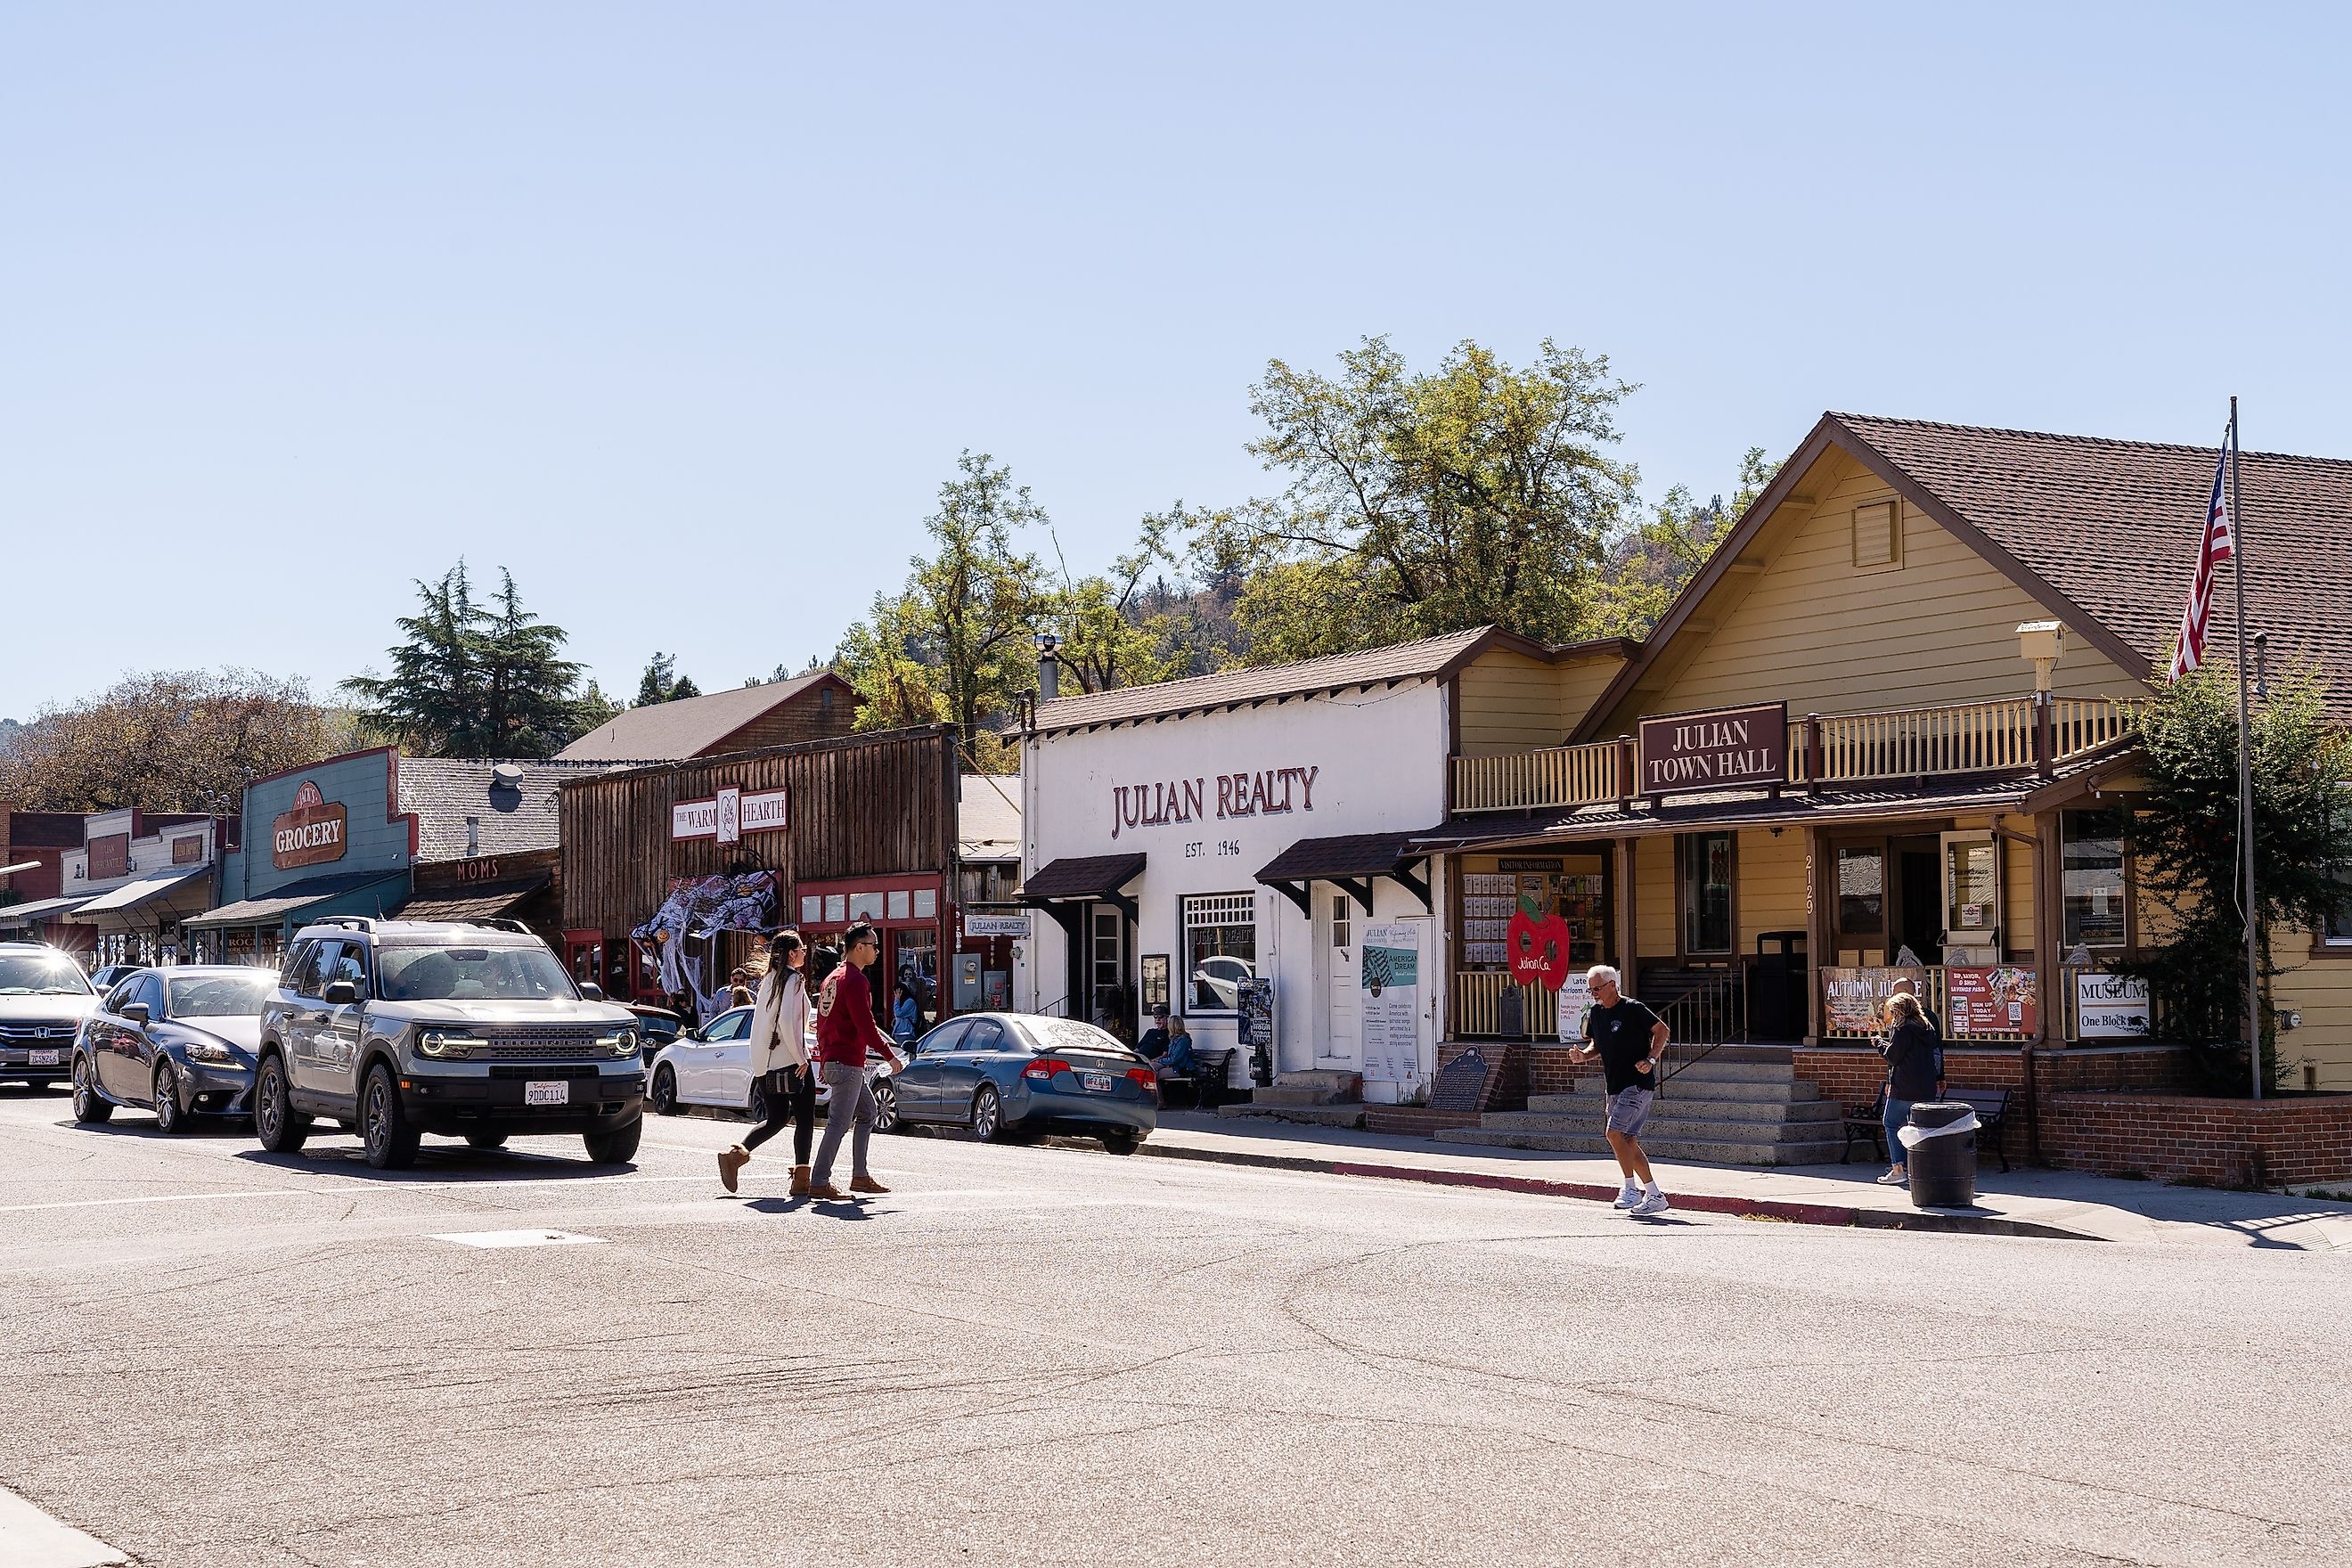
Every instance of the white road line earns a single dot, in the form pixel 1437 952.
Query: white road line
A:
pixel 494 1238
pixel 31 1539
pixel 367 1189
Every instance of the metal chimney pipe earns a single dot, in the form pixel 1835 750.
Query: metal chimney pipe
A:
pixel 1049 668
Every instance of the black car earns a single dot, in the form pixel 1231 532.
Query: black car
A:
pixel 177 1041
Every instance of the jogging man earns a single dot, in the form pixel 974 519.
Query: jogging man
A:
pixel 1628 1039
pixel 845 1029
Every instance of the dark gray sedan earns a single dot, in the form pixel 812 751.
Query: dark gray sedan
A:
pixel 177 1041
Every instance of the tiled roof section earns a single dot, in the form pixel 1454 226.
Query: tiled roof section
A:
pixel 1401 661
pixel 2114 526
pixel 1081 877
pixel 481 904
pixel 667 731
pixel 444 791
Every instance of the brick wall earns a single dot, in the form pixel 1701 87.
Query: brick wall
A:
pixel 2226 1142
pixel 1506 1089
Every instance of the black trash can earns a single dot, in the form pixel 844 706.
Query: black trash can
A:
pixel 1776 987
pixel 1943 1170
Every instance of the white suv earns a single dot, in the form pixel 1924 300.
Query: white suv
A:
pixel 43 1001
pixel 397 1028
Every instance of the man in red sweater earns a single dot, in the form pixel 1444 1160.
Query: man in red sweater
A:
pixel 845 1029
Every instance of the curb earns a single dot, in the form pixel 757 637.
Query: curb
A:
pixel 1947 1221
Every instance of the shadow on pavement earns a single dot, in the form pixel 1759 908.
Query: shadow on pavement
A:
pixel 438 1162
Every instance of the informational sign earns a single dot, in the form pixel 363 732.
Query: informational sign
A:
pixel 109 857
pixel 1686 751
pixel 1575 1001
pixel 2110 1007
pixel 1853 1001
pixel 1154 974
pixel 1390 975
pixel 188 849
pixel 1255 1000
pixel 309 832
pixel 997 925
pixel 727 816
pixel 1461 1084
pixel 1998 1000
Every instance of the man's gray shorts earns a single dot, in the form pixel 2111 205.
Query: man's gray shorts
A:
pixel 1628 1109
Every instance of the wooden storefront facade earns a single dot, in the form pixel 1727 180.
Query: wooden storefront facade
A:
pixel 858 828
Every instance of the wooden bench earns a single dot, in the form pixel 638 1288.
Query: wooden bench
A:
pixel 1991 1105
pixel 1206 1080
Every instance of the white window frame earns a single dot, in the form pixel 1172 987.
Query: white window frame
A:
pixel 1214 911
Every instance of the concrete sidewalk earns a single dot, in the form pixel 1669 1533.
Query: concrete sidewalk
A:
pixel 2064 1203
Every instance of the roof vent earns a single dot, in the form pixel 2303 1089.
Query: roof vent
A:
pixel 506 776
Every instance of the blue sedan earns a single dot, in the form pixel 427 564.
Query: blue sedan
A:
pixel 1009 1075
pixel 177 1041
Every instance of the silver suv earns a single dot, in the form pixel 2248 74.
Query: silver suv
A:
pixel 397 1028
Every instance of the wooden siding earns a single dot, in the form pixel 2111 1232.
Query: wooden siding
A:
pixel 1771 895
pixel 1654 900
pixel 1512 702
pixel 804 718
pixel 2321 990
pixel 863 806
pixel 1812 629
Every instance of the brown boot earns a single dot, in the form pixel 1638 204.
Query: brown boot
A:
pixel 865 1185
pixel 800 1182
pixel 731 1160
pixel 828 1192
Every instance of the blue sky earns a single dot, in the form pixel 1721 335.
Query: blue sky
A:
pixel 683 311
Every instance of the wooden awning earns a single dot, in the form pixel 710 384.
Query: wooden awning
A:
pixel 1350 862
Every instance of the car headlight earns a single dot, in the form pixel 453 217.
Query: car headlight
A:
pixel 446 1043
pixel 620 1042
pixel 209 1051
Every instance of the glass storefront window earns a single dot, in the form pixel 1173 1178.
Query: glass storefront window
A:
pixel 1862 892
pixel 1972 884
pixel 2091 855
pixel 2339 920
pixel 1220 950
pixel 1706 892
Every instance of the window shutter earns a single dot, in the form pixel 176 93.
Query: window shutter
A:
pixel 1877 535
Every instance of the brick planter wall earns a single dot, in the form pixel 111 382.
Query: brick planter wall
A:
pixel 1508 1091
pixel 1414 1120
pixel 2225 1143
pixel 1850 1076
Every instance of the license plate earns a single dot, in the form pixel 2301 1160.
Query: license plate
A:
pixel 44 1059
pixel 1098 1082
pixel 547 1092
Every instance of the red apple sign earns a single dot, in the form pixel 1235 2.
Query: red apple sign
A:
pixel 1538 946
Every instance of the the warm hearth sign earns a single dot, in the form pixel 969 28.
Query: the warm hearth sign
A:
pixel 1681 752
pixel 1269 791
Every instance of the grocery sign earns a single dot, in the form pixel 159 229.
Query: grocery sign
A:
pixel 309 832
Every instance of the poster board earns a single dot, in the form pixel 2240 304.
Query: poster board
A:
pixel 1997 999
pixel 1390 977
pixel 1575 1001
pixel 1853 1000
pixel 2111 1006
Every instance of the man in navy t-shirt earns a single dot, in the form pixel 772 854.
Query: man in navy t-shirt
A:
pixel 1628 1039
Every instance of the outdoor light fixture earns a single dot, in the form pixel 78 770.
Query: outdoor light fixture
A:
pixel 2041 644
pixel 2262 666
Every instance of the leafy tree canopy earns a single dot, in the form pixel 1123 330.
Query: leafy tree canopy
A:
pixel 475 680
pixel 662 683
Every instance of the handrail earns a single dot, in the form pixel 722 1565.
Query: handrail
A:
pixel 1556 775
pixel 1701 1021
pixel 1909 742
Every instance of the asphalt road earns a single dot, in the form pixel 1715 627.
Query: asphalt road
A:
pixel 1044 1355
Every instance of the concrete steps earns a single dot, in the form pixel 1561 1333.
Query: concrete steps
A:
pixel 1705 1152
pixel 1723 1110
pixel 1321 1098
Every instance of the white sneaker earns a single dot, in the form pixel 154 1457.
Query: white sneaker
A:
pixel 1656 1203
pixel 1627 1198
pixel 1894 1179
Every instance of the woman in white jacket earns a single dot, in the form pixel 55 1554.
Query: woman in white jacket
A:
pixel 780 1063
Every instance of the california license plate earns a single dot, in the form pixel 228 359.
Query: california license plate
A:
pixel 1098 1082
pixel 44 1059
pixel 547 1092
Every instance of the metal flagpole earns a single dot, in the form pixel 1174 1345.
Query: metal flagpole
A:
pixel 2245 771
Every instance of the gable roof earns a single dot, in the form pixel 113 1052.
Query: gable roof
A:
pixel 691 726
pixel 2103 533
pixel 988 817
pixel 1426 658
pixel 442 792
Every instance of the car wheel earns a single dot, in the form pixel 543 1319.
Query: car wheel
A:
pixel 617 1147
pixel 665 1093
pixel 987 1116
pixel 756 1105
pixel 169 1117
pixel 385 1134
pixel 885 1107
pixel 89 1106
pixel 276 1122
pixel 1122 1143
pixel 486 1140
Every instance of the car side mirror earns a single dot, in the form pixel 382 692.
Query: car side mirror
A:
pixel 135 1011
pixel 340 993
pixel 590 992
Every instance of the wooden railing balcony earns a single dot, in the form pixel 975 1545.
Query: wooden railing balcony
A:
pixel 2011 734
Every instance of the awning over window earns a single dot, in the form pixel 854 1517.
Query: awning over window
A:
pixel 146 890
pixel 1348 861
pixel 302 898
pixel 487 902
pixel 40 908
pixel 1082 877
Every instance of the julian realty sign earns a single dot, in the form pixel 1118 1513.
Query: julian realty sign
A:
pixel 1268 792
pixel 1681 752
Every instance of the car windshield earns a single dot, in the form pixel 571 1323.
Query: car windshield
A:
pixel 220 996
pixel 516 974
pixel 1069 1035
pixel 40 974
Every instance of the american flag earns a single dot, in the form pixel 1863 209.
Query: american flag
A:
pixel 2219 545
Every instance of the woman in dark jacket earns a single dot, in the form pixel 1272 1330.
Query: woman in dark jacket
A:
pixel 1915 1071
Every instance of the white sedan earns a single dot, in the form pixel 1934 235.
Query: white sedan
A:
pixel 712 1066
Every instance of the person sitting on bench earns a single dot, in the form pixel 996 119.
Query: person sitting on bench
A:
pixel 1177 1060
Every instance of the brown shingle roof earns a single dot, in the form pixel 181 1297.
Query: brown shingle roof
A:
pixel 671 731
pixel 2114 526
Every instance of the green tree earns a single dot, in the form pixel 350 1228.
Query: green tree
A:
pixel 470 679
pixel 2185 840
pixel 953 644
pixel 662 683
pixel 1108 636
pixel 1470 494
pixel 1652 563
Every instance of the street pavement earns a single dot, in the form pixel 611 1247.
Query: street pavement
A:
pixel 1049 1354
